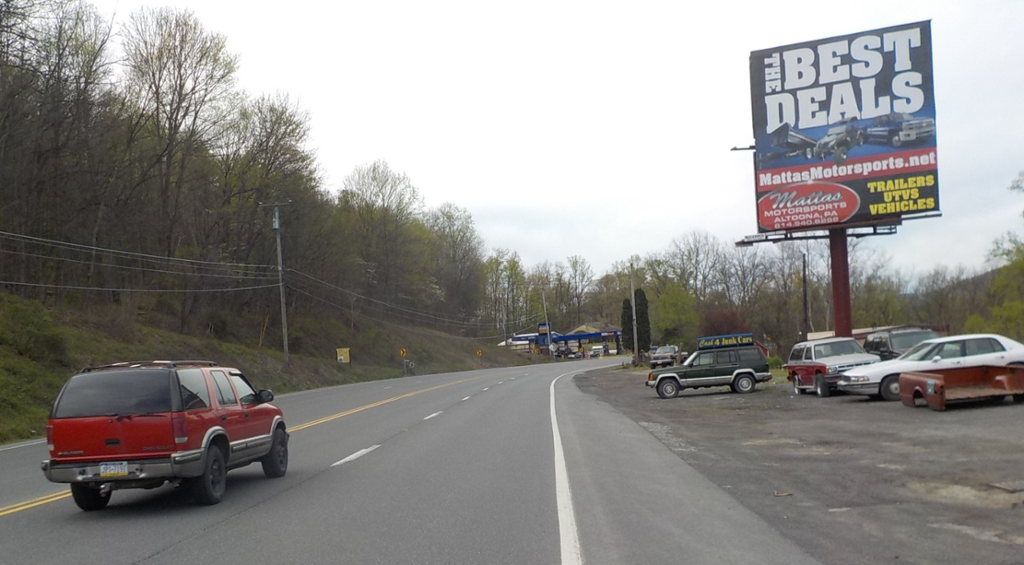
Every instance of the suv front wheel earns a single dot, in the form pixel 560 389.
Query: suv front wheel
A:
pixel 275 463
pixel 821 386
pixel 668 388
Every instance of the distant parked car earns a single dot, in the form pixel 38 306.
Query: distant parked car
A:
pixel 664 356
pixel 890 344
pixel 896 129
pixel 883 379
pixel 816 365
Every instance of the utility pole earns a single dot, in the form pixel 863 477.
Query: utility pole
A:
pixel 280 275
pixel 632 304
pixel 547 324
pixel 807 324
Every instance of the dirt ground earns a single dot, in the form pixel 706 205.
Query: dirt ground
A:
pixel 850 479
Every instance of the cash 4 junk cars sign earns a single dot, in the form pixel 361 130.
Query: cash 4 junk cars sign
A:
pixel 844 130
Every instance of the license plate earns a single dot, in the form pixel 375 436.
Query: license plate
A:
pixel 116 469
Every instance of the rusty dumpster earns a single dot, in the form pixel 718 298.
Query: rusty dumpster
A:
pixel 937 387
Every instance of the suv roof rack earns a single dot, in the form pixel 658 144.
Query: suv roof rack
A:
pixel 150 363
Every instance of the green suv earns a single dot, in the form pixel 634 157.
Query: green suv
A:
pixel 731 360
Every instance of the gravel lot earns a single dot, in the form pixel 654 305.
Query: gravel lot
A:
pixel 850 479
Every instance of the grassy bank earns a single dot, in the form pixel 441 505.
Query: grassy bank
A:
pixel 41 347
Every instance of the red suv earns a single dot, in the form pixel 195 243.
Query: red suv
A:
pixel 141 424
pixel 817 365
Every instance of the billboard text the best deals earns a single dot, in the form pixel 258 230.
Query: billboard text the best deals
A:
pixel 844 130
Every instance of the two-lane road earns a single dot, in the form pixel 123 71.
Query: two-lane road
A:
pixel 453 468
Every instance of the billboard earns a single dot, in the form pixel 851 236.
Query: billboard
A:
pixel 729 340
pixel 844 130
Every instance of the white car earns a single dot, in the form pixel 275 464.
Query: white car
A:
pixel 938 353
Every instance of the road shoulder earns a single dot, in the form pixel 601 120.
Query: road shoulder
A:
pixel 636 502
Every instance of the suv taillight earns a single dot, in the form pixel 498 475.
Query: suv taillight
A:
pixel 49 437
pixel 179 425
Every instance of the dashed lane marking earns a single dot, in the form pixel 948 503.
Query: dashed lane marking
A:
pixel 355 456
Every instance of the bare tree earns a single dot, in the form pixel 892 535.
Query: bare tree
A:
pixel 458 256
pixel 177 73
pixel 696 260
pixel 387 209
pixel 580 275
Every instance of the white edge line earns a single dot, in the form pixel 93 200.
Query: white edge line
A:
pixel 567 531
pixel 434 414
pixel 464 399
pixel 355 455
pixel 23 444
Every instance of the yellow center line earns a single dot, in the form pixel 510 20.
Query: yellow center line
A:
pixel 326 419
pixel 34 502
pixel 66 494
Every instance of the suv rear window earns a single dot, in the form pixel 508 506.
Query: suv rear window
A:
pixel 750 355
pixel 115 393
pixel 192 384
pixel 797 354
pixel 725 357
pixel 905 340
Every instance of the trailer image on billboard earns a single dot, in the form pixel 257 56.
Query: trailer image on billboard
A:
pixel 844 130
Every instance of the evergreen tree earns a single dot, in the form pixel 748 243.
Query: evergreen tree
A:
pixel 627 324
pixel 643 321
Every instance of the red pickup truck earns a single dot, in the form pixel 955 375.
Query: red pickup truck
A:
pixel 937 387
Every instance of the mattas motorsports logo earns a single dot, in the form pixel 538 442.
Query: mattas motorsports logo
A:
pixel 807 205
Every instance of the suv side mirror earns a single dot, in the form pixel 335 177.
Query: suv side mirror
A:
pixel 266 395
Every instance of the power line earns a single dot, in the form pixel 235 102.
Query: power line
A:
pixel 410 310
pixel 380 308
pixel 133 268
pixel 368 299
pixel 153 290
pixel 129 254
pixel 415 330
pixel 411 314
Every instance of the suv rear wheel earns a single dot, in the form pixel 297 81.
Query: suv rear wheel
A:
pixel 88 498
pixel 209 487
pixel 668 388
pixel 743 384
pixel 796 388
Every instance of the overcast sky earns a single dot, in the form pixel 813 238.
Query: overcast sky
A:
pixel 603 129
